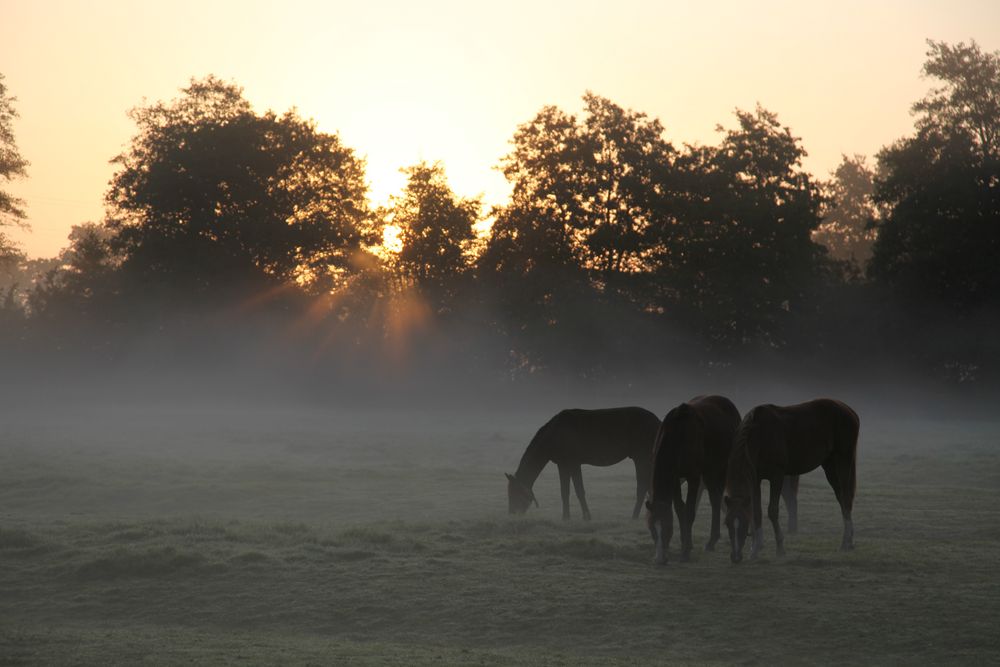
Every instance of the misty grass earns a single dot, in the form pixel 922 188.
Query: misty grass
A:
pixel 397 568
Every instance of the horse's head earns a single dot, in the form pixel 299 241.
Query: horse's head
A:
pixel 659 520
pixel 519 496
pixel 739 519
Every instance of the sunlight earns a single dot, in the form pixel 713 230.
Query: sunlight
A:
pixel 391 241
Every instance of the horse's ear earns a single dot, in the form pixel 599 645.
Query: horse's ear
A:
pixel 649 506
pixel 510 478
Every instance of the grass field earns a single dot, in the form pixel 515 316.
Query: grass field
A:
pixel 286 538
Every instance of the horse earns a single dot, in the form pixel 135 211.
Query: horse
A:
pixel 592 437
pixel 693 444
pixel 773 441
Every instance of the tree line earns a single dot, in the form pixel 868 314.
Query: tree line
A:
pixel 617 249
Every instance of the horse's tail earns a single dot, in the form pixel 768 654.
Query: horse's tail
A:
pixel 656 471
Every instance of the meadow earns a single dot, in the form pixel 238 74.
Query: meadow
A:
pixel 226 536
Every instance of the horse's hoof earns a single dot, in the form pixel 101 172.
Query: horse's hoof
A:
pixel 736 559
pixel 710 547
pixel 586 517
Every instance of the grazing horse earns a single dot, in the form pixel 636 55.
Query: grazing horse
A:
pixel 592 437
pixel 773 441
pixel 693 444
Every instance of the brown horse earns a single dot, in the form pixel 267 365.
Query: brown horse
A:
pixel 774 441
pixel 592 437
pixel 693 444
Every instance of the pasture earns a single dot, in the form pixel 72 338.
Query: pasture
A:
pixel 286 537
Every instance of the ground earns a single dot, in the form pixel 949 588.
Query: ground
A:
pixel 285 537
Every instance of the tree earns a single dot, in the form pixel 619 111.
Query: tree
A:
pixel 740 262
pixel 968 102
pixel 939 238
pixel 576 234
pixel 12 166
pixel 585 193
pixel 436 230
pixel 79 290
pixel 211 196
pixel 847 230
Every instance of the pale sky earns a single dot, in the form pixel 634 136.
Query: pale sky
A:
pixel 434 80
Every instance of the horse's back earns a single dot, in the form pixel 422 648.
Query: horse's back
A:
pixel 830 415
pixel 815 430
pixel 603 436
pixel 717 412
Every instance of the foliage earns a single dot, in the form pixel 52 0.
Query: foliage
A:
pixel 740 262
pixel 578 231
pixel 209 195
pixel 79 287
pixel 12 166
pixel 436 232
pixel 847 230
pixel 940 189
pixel 585 193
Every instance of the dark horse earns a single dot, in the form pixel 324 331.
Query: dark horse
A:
pixel 693 444
pixel 773 441
pixel 592 437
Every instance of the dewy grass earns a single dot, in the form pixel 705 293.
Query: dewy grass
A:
pixel 409 570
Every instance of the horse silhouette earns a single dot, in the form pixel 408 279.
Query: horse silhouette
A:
pixel 574 438
pixel 693 444
pixel 773 441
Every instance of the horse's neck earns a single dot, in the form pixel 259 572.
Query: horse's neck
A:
pixel 531 465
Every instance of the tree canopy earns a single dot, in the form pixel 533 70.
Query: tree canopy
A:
pixel 210 194
pixel 436 232
pixel 940 188
pixel 12 166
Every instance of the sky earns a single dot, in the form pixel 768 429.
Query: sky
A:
pixel 406 81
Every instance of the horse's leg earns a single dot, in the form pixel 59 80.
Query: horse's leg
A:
pixel 758 521
pixel 564 474
pixel 846 476
pixel 790 493
pixel 772 513
pixel 829 467
pixel 687 519
pixel 580 494
pixel 641 484
pixel 715 497
pixel 678 499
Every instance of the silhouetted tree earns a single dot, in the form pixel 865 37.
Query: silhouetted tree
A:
pixel 847 230
pixel 436 231
pixel 585 195
pixel 939 239
pixel 210 195
pixel 740 261
pixel 12 166
pixel 81 288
